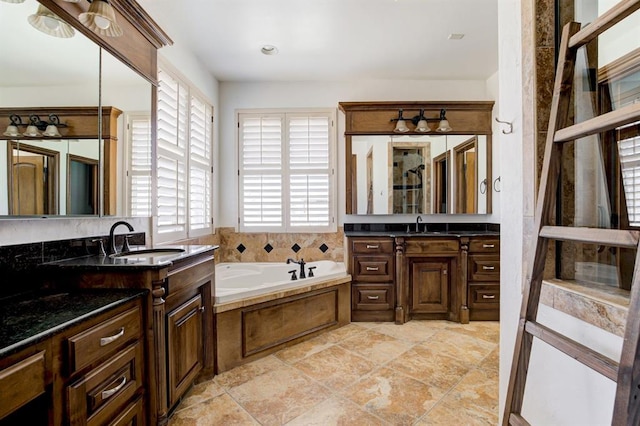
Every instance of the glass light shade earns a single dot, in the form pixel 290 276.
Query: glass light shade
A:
pixel 13 1
pixel 49 23
pixel 423 126
pixel 52 131
pixel 12 131
pixel 444 126
pixel 32 131
pixel 101 19
pixel 401 127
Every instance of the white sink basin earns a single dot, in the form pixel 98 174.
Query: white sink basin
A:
pixel 147 253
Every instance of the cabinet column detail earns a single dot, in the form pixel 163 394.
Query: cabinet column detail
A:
pixel 463 281
pixel 158 293
pixel 401 290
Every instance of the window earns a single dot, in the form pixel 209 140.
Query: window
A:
pixel 287 171
pixel 184 160
pixel 139 164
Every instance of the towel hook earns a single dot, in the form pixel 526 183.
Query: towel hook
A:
pixel 508 124
pixel 495 184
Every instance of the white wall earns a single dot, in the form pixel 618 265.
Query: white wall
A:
pixel 235 96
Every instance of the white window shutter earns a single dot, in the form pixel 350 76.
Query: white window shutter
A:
pixel 139 165
pixel 200 160
pixel 629 151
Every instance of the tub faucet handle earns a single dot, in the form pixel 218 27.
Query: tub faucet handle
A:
pixel 311 268
pixel 293 275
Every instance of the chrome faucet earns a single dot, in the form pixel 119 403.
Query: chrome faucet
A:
pixel 418 222
pixel 112 238
pixel 301 263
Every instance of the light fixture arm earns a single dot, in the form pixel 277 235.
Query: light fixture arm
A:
pixel 400 117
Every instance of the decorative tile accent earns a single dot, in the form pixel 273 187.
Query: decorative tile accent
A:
pixel 241 248
pixel 296 248
pixel 323 248
pixel 268 248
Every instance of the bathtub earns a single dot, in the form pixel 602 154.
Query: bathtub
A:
pixel 237 281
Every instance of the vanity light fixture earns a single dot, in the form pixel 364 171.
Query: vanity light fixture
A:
pixel 13 1
pixel 49 23
pixel 422 123
pixel 401 124
pixel 101 19
pixel 34 126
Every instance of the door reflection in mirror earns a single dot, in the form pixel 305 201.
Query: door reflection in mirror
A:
pixel 32 180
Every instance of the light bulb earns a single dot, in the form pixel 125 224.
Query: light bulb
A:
pixel 50 23
pixel 101 22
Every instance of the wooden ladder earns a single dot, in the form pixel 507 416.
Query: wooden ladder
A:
pixel 626 372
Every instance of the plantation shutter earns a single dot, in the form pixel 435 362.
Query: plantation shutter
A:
pixel 261 167
pixel 309 171
pixel 286 168
pixel 139 173
pixel 171 147
pixel 629 151
pixel 200 173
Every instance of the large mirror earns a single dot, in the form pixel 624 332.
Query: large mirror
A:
pixel 65 175
pixel 426 174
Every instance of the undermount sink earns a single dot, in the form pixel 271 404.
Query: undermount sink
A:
pixel 156 252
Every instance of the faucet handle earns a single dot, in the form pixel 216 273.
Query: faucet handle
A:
pixel 293 275
pixel 125 245
pixel 100 242
pixel 310 274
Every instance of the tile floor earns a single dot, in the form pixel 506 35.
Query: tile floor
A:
pixel 419 373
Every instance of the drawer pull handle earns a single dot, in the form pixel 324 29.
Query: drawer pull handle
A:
pixel 488 268
pixel 373 247
pixel 104 341
pixel 488 296
pixel 488 246
pixel 373 297
pixel 372 268
pixel 109 392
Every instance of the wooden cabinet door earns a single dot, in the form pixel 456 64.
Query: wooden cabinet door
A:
pixel 184 346
pixel 430 286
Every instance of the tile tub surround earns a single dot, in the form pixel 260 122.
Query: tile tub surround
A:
pixel 424 373
pixel 18 263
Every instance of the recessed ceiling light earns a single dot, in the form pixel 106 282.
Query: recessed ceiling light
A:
pixel 454 36
pixel 268 49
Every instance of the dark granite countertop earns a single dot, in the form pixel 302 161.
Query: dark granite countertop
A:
pixel 155 261
pixel 30 318
pixel 428 234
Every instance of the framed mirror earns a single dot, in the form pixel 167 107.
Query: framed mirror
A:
pixel 65 73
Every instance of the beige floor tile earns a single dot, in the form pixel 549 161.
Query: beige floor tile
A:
pixel 430 367
pixel 412 331
pixel 335 367
pixel 276 397
pixel 244 373
pixel 342 333
pixel 394 397
pixel 200 393
pixel 336 411
pixel 477 391
pixel 302 350
pixel 375 346
pixel 461 347
pixel 221 410
pixel 492 361
pixel 447 414
pixel 489 331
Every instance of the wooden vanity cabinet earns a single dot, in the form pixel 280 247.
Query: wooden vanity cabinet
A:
pixel 372 271
pixel 483 278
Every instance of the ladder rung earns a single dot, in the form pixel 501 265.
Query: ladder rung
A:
pixel 604 237
pixel 517 420
pixel 603 22
pixel 611 120
pixel 592 359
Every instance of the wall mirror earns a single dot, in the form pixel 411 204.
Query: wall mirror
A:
pixel 77 173
pixel 427 174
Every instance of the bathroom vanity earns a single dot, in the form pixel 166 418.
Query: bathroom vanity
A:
pixel 451 274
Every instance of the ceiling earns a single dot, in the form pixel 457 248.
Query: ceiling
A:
pixel 335 39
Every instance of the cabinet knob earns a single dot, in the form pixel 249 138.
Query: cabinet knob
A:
pixel 372 247
pixel 202 308
pixel 444 272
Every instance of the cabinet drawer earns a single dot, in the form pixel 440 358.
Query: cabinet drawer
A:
pixel 100 395
pixel 103 339
pixel 484 296
pixel 373 268
pixel 485 245
pixel 484 268
pixel 416 245
pixel 372 297
pixel 133 415
pixel 22 382
pixel 372 246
